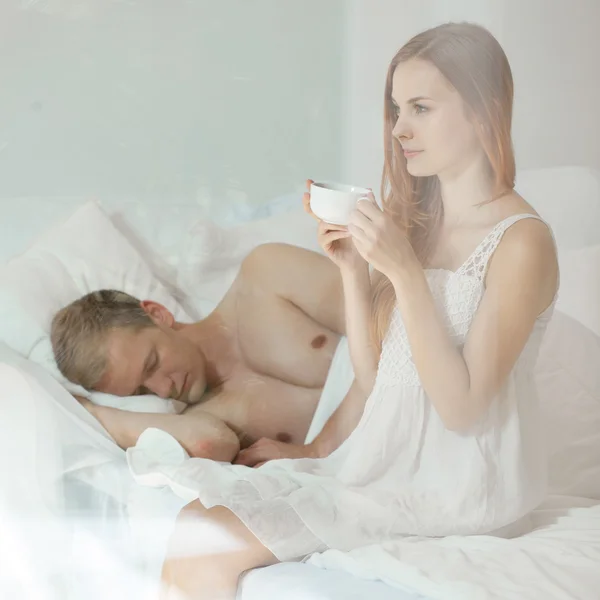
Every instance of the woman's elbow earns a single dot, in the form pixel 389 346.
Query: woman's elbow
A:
pixel 366 383
pixel 463 416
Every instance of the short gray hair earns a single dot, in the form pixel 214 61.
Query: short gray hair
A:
pixel 79 332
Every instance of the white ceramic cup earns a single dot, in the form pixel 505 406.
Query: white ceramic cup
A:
pixel 333 202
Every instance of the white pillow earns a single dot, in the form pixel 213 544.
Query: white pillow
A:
pixel 213 254
pixel 579 295
pixel 44 432
pixel 568 378
pixel 144 403
pixel 568 198
pixel 83 254
pixel 147 223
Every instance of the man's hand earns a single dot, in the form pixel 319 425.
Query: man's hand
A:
pixel 265 450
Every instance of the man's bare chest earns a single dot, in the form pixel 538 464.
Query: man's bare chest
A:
pixel 274 338
pixel 262 406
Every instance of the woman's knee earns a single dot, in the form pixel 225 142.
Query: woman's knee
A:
pixel 210 549
pixel 215 531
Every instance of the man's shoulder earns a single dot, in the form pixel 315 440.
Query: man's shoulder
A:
pixel 278 253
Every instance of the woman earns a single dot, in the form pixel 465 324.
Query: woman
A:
pixel 438 435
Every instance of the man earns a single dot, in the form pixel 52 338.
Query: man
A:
pixel 255 367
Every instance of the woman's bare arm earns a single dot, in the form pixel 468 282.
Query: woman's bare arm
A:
pixel 341 423
pixel 521 282
pixel 357 294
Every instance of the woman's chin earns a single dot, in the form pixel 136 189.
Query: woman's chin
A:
pixel 420 170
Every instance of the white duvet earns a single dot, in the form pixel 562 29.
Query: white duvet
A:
pixel 559 559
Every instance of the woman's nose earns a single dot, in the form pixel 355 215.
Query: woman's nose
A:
pixel 402 130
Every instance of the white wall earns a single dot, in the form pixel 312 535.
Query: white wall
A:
pixel 375 31
pixel 169 99
pixel 243 99
pixel 553 47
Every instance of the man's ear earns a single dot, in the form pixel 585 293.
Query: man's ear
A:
pixel 158 313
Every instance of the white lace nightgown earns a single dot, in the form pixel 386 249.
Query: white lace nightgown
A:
pixel 401 472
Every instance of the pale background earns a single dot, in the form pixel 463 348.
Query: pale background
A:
pixel 241 100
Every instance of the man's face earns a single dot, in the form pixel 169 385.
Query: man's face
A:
pixel 154 360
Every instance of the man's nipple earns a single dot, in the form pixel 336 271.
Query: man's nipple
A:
pixel 319 342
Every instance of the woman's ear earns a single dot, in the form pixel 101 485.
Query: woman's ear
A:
pixel 158 313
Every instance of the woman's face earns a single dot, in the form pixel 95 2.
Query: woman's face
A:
pixel 431 125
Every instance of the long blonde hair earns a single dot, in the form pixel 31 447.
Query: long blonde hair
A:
pixel 473 62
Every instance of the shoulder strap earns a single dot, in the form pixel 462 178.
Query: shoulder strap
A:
pixel 476 264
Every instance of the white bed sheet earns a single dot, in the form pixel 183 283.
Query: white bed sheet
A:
pixel 558 560
pixel 302 581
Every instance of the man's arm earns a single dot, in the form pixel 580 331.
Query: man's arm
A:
pixel 201 434
pixel 306 279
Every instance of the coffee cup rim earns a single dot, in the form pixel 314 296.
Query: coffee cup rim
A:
pixel 344 188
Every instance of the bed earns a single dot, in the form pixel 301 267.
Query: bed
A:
pixel 79 526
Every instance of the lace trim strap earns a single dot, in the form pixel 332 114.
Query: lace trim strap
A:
pixel 476 264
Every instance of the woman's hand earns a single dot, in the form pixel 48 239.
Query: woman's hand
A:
pixel 266 449
pixel 335 240
pixel 379 240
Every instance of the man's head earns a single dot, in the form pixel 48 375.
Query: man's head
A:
pixel 112 342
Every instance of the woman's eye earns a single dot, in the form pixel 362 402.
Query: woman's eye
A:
pixel 419 108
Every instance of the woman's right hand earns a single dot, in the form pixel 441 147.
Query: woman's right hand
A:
pixel 335 240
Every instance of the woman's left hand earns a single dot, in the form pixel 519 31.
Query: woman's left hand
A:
pixel 379 240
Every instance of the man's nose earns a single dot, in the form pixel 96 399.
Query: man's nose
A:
pixel 160 385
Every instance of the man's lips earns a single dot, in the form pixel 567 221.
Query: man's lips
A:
pixel 182 390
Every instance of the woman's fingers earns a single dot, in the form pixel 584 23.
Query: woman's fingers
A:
pixel 370 210
pixel 359 219
pixel 325 227
pixel 328 238
pixel 358 234
pixel 306 204
pixel 306 200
